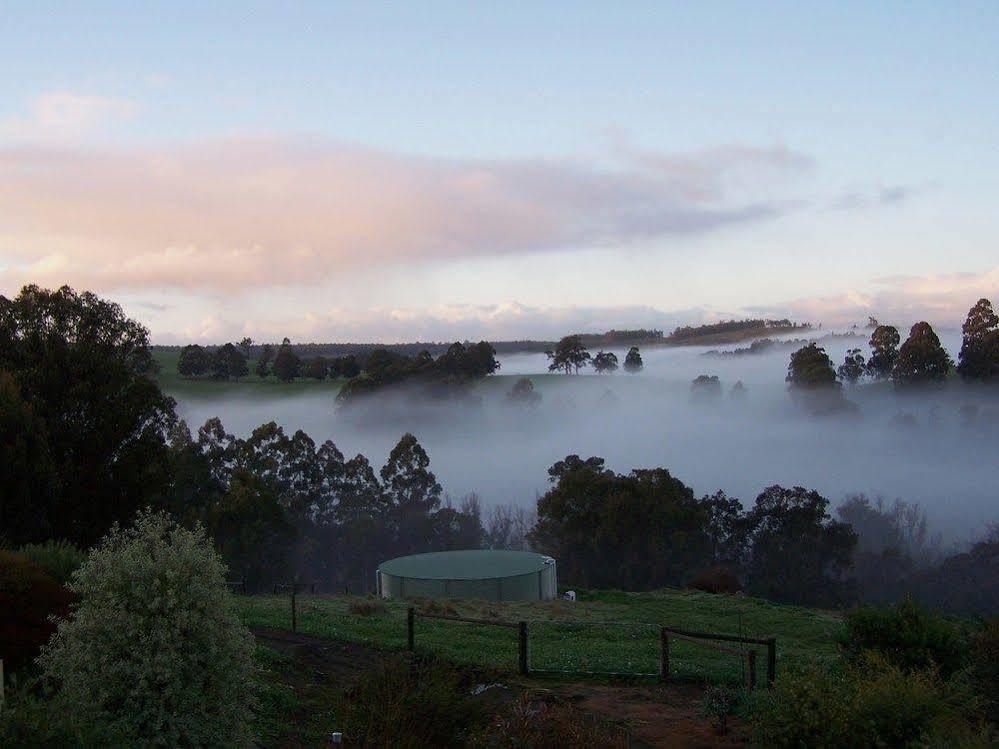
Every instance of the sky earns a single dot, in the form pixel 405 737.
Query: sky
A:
pixel 439 171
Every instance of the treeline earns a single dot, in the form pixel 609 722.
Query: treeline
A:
pixel 686 332
pixel 646 529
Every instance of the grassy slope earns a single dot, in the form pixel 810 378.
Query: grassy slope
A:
pixel 631 646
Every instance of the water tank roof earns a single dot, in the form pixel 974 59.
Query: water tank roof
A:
pixel 472 564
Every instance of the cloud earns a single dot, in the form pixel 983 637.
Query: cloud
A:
pixel 57 115
pixel 941 299
pixel 503 321
pixel 252 212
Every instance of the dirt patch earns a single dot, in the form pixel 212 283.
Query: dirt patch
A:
pixel 653 715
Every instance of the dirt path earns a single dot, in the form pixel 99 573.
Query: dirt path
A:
pixel 654 715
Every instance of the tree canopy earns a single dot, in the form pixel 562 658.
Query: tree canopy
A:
pixel 921 359
pixel 570 355
pixel 811 368
pixel 884 351
pixel 979 357
pixel 633 361
pixel 605 362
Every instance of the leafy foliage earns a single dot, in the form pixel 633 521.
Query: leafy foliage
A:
pixel 570 355
pixel 60 559
pixel 921 359
pixel 811 368
pixel 605 362
pixel 979 357
pixel 287 365
pixel 84 368
pixel 194 361
pixel 523 393
pixel 906 636
pixel 884 351
pixel 633 361
pixel 853 367
pixel 154 620
pixel 28 597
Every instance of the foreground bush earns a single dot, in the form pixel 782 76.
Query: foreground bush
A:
pixel 985 667
pixel 717 579
pixel 869 705
pixel 29 596
pixel 907 636
pixel 59 558
pixel 154 653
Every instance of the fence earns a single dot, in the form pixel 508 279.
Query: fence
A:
pixel 703 639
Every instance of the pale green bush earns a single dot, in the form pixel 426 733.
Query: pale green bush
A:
pixel 154 653
pixel 59 558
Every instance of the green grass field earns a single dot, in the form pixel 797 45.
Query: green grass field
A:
pixel 629 645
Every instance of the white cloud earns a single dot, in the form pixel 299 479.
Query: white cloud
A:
pixel 60 115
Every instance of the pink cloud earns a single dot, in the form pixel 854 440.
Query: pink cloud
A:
pixel 270 212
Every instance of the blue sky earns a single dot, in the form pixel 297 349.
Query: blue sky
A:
pixel 523 167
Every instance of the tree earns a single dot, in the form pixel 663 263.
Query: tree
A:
pixel 194 361
pixel 633 361
pixel 84 368
pixel 921 359
pixel 979 357
pixel 884 351
pixel 229 362
pixel 605 361
pixel 636 531
pixel 245 344
pixel 154 620
pixel 706 386
pixel 412 492
pixel 523 393
pixel 345 366
pixel 317 368
pixel 797 553
pixel 286 363
pixel 263 363
pixel 569 355
pixel 853 366
pixel 28 481
pixel 811 369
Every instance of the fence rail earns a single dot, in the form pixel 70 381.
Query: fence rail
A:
pixel 709 640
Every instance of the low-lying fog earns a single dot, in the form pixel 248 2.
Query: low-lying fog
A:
pixel 943 457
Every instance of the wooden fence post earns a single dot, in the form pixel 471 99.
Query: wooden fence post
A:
pixel 771 661
pixel 752 669
pixel 524 667
pixel 294 614
pixel 410 616
pixel 664 655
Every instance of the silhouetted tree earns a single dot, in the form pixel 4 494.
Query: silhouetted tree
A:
pixel 28 480
pixel 921 359
pixel 811 368
pixel 286 364
pixel 194 361
pixel 705 386
pixel 569 355
pixel 979 357
pixel 84 368
pixel 245 344
pixel 412 492
pixel 263 363
pixel 884 351
pixel 796 553
pixel 345 366
pixel 605 362
pixel 229 362
pixel 738 391
pixel 317 368
pixel 523 394
pixel 853 366
pixel 633 361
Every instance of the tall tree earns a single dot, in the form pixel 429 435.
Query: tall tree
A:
pixel 884 351
pixel 979 357
pixel 797 553
pixel 263 363
pixel 633 361
pixel 84 367
pixel 412 492
pixel 811 368
pixel 228 362
pixel 853 366
pixel 569 355
pixel 921 359
pixel 317 368
pixel 28 480
pixel 286 364
pixel 345 366
pixel 194 361
pixel 605 362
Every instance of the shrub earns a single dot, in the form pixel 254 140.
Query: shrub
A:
pixel 154 652
pixel 59 558
pixel 874 703
pixel 985 667
pixel 540 725
pixel 907 636
pixel 28 597
pixel 718 704
pixel 401 706
pixel 717 579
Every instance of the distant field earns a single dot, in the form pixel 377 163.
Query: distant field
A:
pixel 630 646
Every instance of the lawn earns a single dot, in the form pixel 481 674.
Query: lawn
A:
pixel 609 631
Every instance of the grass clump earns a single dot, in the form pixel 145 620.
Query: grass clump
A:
pixel 366 607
